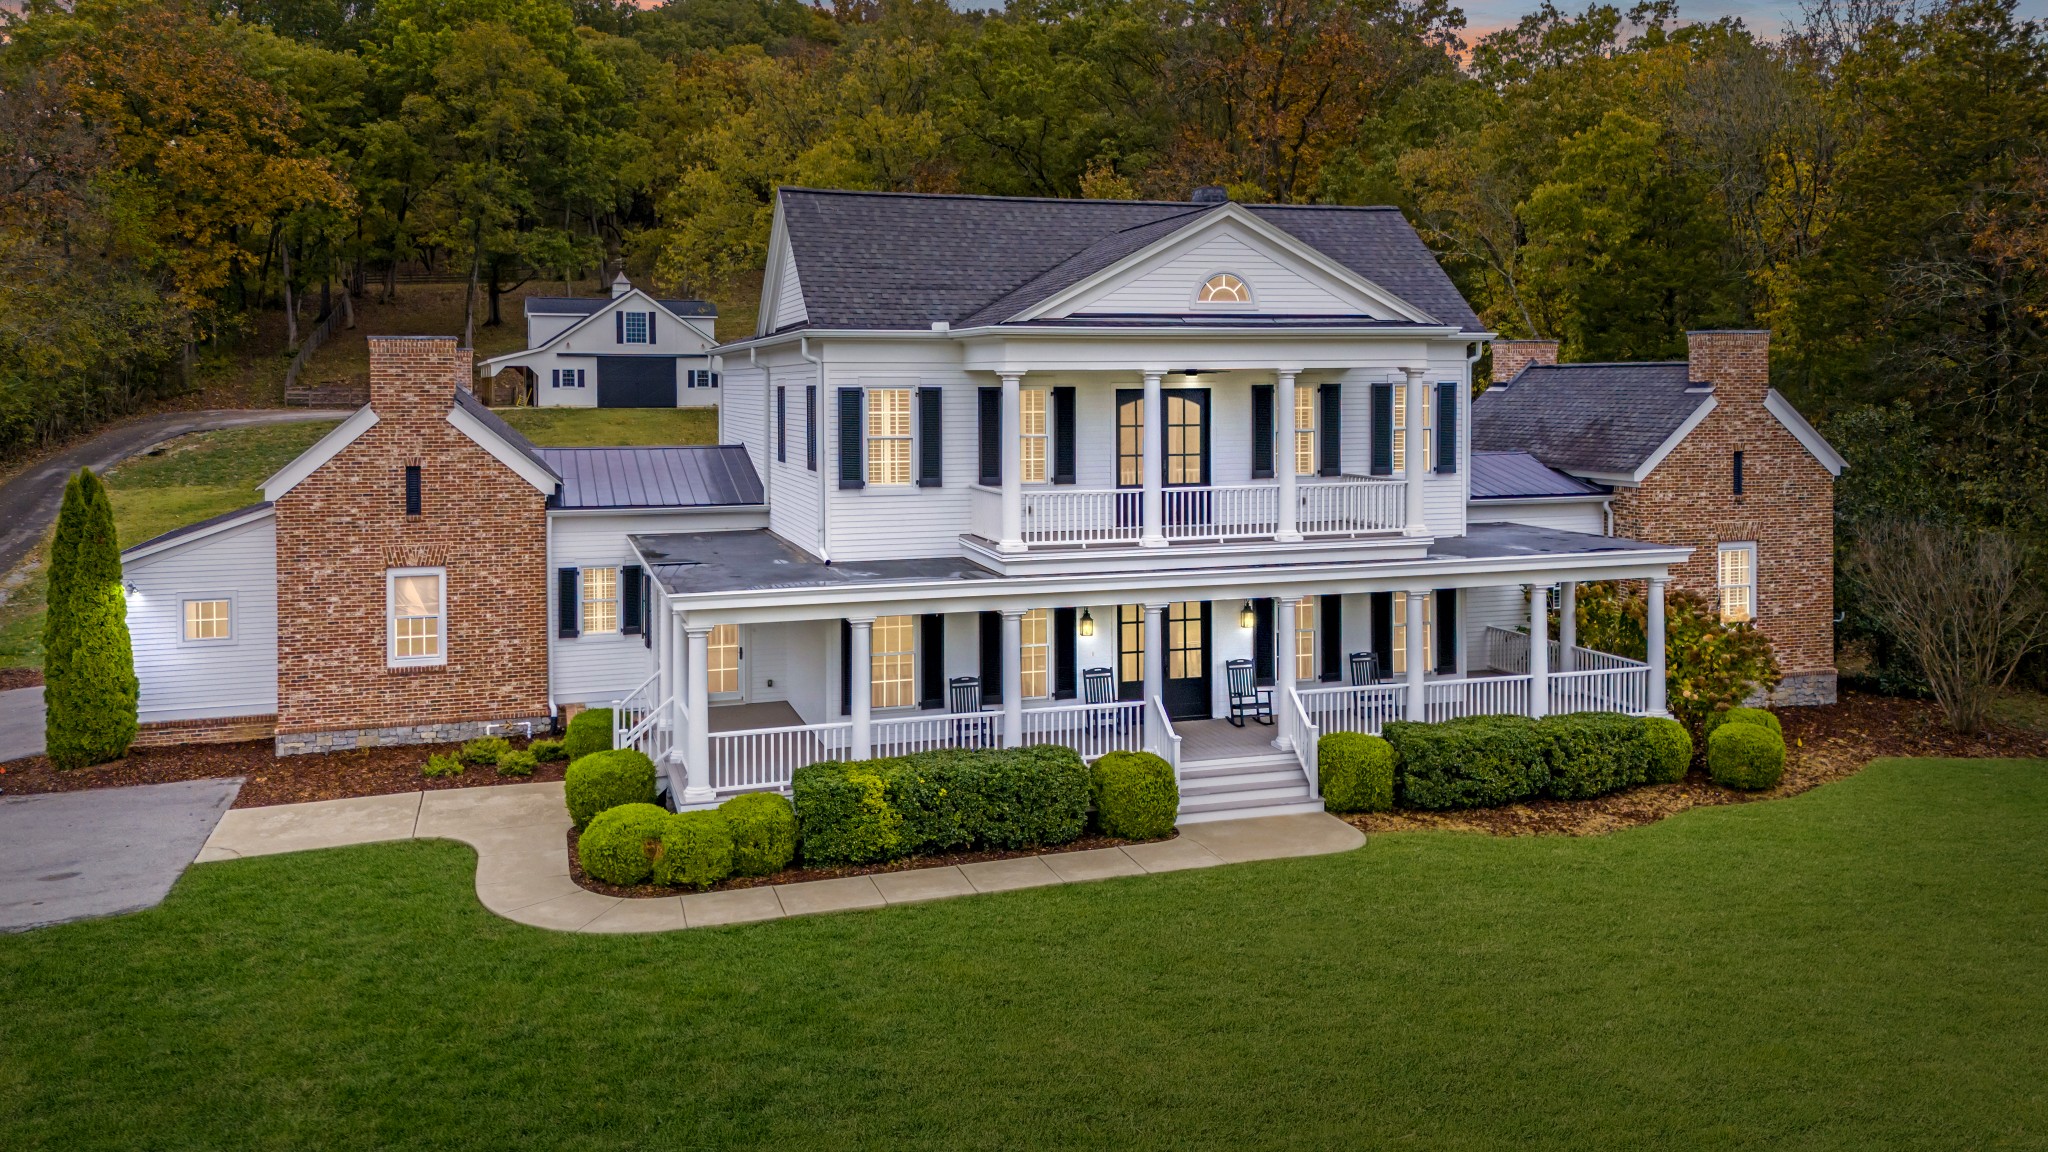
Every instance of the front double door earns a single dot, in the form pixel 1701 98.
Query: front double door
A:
pixel 1186 692
pixel 1184 461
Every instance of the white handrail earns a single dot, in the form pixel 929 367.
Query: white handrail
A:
pixel 1160 738
pixel 1483 696
pixel 1089 729
pixel 1351 506
pixel 1601 690
pixel 902 735
pixel 1354 708
pixel 1304 735
pixel 650 734
pixel 1083 516
pixel 1220 512
pixel 629 709
pixel 769 757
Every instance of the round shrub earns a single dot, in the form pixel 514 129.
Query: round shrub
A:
pixel 1135 795
pixel 548 751
pixel 696 849
pixel 441 764
pixel 589 731
pixel 623 844
pixel 1761 717
pixel 604 780
pixel 1746 756
pixel 763 829
pixel 516 764
pixel 484 751
pixel 1670 750
pixel 1357 772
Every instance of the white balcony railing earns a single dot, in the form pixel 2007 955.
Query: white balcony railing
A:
pixel 1062 516
pixel 1081 516
pixel 1216 512
pixel 1351 507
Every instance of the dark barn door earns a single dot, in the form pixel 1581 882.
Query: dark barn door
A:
pixel 636 382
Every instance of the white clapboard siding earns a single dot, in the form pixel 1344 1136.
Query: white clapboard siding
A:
pixel 898 522
pixel 1170 285
pixel 689 339
pixel 743 412
pixel 1574 516
pixel 789 294
pixel 190 681
pixel 794 490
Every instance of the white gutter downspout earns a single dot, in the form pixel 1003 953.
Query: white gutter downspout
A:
pixel 548 626
pixel 803 349
pixel 768 431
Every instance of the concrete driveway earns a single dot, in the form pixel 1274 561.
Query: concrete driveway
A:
pixel 73 855
pixel 21 723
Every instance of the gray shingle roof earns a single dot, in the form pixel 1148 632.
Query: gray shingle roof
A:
pixel 586 305
pixel 685 477
pixel 1603 419
pixel 510 435
pixel 1521 476
pixel 752 559
pixel 878 260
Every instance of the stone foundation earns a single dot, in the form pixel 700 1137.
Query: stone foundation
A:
pixel 212 730
pixel 341 740
pixel 1805 690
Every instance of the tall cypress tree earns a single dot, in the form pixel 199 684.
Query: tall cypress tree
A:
pixel 89 687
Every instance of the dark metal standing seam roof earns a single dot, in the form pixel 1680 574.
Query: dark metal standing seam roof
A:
pixel 587 305
pixel 1521 476
pixel 883 260
pixel 684 477
pixel 1604 419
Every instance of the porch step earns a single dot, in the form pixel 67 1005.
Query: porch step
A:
pixel 1249 809
pixel 1241 782
pixel 1234 765
pixel 1228 788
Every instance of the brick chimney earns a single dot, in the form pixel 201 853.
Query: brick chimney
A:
pixel 1511 356
pixel 416 376
pixel 1737 362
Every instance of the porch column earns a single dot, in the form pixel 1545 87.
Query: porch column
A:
pixel 860 693
pixel 1417 654
pixel 1283 455
pixel 1653 631
pixel 1413 449
pixel 1539 650
pixel 697 683
pixel 664 671
pixel 1154 535
pixel 1284 626
pixel 1013 678
pixel 1013 463
pixel 1155 652
pixel 1567 624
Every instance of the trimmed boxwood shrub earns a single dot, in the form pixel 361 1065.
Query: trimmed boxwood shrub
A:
pixel 843 814
pixel 605 780
pixel 622 844
pixel 548 751
pixel 1473 762
pixel 1670 750
pixel 442 764
pixel 1135 795
pixel 1357 772
pixel 517 764
pixel 589 731
pixel 1746 756
pixel 1593 753
pixel 934 801
pixel 1762 717
pixel 696 850
pixel 763 833
pixel 484 750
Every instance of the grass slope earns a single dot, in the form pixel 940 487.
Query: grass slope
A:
pixel 611 427
pixel 1857 967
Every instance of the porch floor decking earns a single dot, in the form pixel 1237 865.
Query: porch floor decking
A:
pixel 745 717
pixel 1222 740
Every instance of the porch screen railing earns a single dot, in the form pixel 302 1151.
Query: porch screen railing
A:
pixel 1507 650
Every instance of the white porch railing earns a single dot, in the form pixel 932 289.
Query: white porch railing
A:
pixel 902 735
pixel 1066 516
pixel 1076 516
pixel 1237 512
pixel 769 757
pixel 1624 689
pixel 1160 738
pixel 641 722
pixel 1301 734
pixel 1363 708
pixel 1351 506
pixel 1483 696
pixel 1507 650
pixel 1090 729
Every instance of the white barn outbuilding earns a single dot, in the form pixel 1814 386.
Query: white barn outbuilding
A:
pixel 628 351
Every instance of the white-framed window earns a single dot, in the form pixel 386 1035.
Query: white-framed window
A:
pixel 209 620
pixel 568 377
pixel 1224 288
pixel 1033 433
pixel 723 678
pixel 889 435
pixel 1401 632
pixel 702 378
pixel 893 663
pixel 416 614
pixel 638 327
pixel 1401 428
pixel 1034 660
pixel 1304 431
pixel 1738 583
pixel 600 600
pixel 1130 643
pixel 1305 641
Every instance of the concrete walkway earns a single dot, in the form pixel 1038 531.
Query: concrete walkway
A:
pixel 522 872
pixel 21 724
pixel 70 855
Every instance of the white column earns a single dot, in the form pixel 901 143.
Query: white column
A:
pixel 696 684
pixel 1283 455
pixel 1539 650
pixel 1654 633
pixel 1284 625
pixel 860 694
pixel 1413 451
pixel 665 672
pixel 1567 624
pixel 1155 652
pixel 1417 655
pixel 1154 535
pixel 1013 463
pixel 1013 678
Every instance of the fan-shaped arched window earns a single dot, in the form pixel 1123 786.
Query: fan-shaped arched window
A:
pixel 1223 288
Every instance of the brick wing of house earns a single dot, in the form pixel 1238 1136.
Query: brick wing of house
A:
pixel 1197 478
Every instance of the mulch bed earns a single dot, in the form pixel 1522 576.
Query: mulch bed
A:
pixel 11 678
pixel 267 777
pixel 1822 745
pixel 799 875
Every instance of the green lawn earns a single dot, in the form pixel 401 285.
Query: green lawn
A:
pixel 609 427
pixel 1859 967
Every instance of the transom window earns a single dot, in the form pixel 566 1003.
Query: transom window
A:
pixel 1304 431
pixel 1223 288
pixel 417 609
pixel 1305 641
pixel 1401 632
pixel 1738 583
pixel 637 325
pixel 892 665
pixel 1031 404
pixel 723 668
pixel 600 600
pixel 1033 661
pixel 1401 428
pixel 889 436
pixel 208 620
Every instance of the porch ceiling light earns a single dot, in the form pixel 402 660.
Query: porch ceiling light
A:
pixel 1087 623
pixel 1246 618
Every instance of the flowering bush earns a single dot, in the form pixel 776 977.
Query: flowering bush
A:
pixel 1708 665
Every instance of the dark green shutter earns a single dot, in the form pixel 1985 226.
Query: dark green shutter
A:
pixel 1066 678
pixel 989 420
pixel 1264 640
pixel 1447 427
pixel 782 425
pixel 568 607
pixel 992 657
pixel 1063 435
pixel 931 431
pixel 1446 629
pixel 1330 630
pixel 931 661
pixel 1383 630
pixel 1262 431
pixel 1383 429
pixel 845 667
pixel 811 427
pixel 1331 431
pixel 852 469
pixel 630 601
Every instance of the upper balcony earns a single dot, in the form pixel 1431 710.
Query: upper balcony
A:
pixel 1066 520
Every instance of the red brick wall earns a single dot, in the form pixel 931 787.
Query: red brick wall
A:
pixel 342 527
pixel 1787 507
pixel 1511 356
